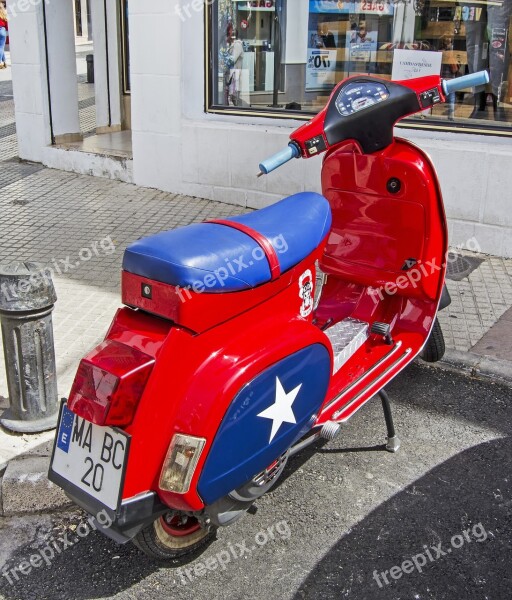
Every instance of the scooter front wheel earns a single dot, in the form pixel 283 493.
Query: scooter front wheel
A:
pixel 435 347
pixel 172 536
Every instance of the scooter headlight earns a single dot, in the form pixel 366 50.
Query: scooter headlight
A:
pixel 180 463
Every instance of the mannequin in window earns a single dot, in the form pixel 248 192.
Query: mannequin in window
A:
pixel 326 36
pixel 360 35
pixel 323 38
pixel 487 48
pixel 237 55
pixel 231 58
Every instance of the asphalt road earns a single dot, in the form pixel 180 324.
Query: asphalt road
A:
pixel 347 520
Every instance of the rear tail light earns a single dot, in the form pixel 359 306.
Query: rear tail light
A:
pixel 180 463
pixel 109 384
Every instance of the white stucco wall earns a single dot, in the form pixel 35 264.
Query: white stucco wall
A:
pixel 108 109
pixel 155 52
pixel 31 97
pixel 29 82
pixel 62 68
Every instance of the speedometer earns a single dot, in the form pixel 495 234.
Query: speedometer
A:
pixel 358 96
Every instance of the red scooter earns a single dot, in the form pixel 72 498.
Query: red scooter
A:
pixel 243 340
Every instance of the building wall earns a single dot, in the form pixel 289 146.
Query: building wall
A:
pixel 29 83
pixel 30 55
pixel 156 90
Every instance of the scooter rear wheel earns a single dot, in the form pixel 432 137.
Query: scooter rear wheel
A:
pixel 172 536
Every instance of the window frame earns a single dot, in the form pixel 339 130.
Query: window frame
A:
pixel 125 49
pixel 406 123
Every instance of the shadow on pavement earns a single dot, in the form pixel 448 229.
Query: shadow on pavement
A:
pixel 93 567
pixel 437 391
pixel 472 488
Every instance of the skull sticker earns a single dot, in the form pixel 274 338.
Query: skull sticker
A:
pixel 306 293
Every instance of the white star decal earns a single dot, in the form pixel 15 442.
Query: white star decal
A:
pixel 281 411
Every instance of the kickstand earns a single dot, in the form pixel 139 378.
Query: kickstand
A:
pixel 393 441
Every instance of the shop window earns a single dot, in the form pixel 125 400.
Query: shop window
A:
pixel 283 57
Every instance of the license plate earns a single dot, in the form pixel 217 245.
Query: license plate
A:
pixel 91 457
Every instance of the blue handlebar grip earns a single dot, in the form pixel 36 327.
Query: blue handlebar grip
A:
pixel 279 159
pixel 466 81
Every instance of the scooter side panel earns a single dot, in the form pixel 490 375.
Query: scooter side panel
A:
pixel 266 417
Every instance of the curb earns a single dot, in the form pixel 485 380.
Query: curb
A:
pixel 476 365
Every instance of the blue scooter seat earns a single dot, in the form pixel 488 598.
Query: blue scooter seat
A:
pixel 218 258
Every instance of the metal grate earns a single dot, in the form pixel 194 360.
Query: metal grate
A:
pixel 459 266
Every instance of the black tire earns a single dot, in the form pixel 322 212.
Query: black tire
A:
pixel 157 543
pixel 435 347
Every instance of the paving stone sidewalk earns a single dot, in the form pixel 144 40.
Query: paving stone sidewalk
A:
pixel 479 300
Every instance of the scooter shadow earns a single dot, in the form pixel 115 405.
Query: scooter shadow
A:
pixel 94 567
pixel 472 493
pixel 105 568
pixel 318 447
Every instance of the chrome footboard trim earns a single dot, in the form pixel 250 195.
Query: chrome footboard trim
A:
pixel 369 386
pixel 394 350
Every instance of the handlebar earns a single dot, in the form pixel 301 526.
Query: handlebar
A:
pixel 279 159
pixel 295 148
pixel 466 81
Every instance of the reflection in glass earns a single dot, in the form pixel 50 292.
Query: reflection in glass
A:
pixel 287 55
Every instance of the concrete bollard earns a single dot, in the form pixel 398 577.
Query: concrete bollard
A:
pixel 27 298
